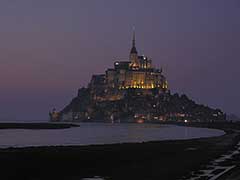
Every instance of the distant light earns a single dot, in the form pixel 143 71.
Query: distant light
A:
pixel 185 121
pixel 117 63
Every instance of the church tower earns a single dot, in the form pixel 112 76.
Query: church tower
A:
pixel 135 64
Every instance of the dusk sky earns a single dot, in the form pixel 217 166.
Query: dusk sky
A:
pixel 50 48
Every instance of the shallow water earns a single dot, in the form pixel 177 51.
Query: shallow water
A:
pixel 101 133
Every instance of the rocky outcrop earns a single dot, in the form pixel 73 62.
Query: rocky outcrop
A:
pixel 139 107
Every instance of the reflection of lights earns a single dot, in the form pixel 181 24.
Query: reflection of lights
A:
pixel 161 118
pixel 140 121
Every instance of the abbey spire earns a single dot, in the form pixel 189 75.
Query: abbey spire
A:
pixel 134 54
pixel 133 50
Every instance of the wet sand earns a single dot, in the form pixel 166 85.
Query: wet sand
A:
pixel 234 174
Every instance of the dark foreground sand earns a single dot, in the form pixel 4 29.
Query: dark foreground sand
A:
pixel 164 160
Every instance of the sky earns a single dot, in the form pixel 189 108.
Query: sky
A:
pixel 50 48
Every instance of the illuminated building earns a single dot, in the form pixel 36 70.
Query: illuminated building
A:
pixel 135 73
pixel 54 115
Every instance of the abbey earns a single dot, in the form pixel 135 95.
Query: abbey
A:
pixel 133 91
pixel 135 73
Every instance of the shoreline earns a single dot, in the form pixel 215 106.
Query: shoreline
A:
pixel 38 126
pixel 100 134
pixel 171 159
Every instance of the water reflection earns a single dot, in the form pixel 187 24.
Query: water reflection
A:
pixel 101 133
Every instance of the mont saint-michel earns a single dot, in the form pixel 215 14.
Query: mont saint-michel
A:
pixel 133 91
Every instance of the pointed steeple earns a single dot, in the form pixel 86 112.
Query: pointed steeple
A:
pixel 133 50
pixel 133 40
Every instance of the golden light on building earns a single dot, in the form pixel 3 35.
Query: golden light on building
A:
pixel 136 73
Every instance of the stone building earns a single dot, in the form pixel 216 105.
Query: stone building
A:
pixel 136 73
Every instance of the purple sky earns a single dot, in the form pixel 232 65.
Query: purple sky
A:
pixel 50 48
